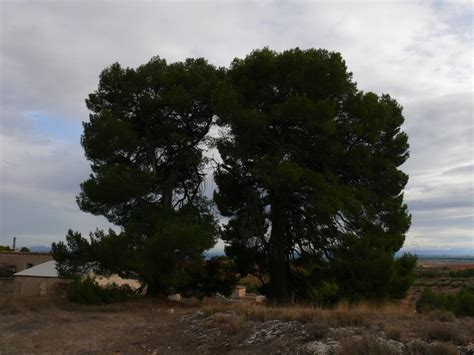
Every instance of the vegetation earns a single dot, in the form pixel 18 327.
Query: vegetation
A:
pixel 460 303
pixel 88 291
pixel 444 332
pixel 365 346
pixel 203 279
pixel 144 141
pixel 4 248
pixel 309 179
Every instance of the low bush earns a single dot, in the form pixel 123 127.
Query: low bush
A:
pixel 442 316
pixel 217 274
pixel 461 303
pixel 318 330
pixel 88 291
pixel 444 332
pixel 437 348
pixel 462 273
pixel 394 333
pixel 365 346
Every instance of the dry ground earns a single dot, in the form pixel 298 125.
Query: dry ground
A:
pixel 147 326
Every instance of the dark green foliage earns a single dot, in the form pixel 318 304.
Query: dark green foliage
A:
pixel 327 294
pixel 75 257
pixel 25 250
pixel 466 273
pixel 309 179
pixel 217 274
pixel 4 248
pixel 144 140
pixel 310 174
pixel 88 291
pixel 143 137
pixel 161 260
pixel 461 303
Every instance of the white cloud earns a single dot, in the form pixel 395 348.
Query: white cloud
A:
pixel 52 53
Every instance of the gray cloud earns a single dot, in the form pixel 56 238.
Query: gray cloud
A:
pixel 52 53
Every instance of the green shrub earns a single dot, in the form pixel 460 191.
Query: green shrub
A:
pixel 462 273
pixel 88 291
pixel 461 304
pixel 217 274
pixel 465 303
pixel 325 295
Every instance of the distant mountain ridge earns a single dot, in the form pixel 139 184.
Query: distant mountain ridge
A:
pixel 39 249
pixel 439 253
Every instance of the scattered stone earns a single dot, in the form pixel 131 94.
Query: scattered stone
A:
pixel 397 346
pixel 170 311
pixel 176 297
pixel 466 350
pixel 272 329
pixel 317 348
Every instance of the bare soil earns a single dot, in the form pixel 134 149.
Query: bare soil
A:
pixel 148 326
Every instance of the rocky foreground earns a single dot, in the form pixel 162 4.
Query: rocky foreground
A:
pixel 290 337
pixel 172 328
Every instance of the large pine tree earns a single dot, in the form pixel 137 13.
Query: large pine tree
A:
pixel 145 139
pixel 310 176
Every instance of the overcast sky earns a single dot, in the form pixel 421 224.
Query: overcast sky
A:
pixel 53 51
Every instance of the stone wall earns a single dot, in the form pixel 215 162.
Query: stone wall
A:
pixel 21 261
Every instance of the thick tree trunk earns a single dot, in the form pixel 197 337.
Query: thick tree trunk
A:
pixel 278 258
pixel 167 198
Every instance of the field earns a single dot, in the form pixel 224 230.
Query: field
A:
pixel 441 275
pixel 214 326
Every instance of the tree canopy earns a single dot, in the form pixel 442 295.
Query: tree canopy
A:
pixel 4 248
pixel 309 177
pixel 145 140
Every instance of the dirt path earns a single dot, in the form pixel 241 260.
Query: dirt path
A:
pixel 130 331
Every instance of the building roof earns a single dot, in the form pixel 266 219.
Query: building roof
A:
pixel 47 269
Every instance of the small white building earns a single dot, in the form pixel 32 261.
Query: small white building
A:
pixel 39 280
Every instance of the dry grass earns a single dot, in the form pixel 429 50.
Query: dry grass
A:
pixel 236 324
pixel 317 330
pixel 394 332
pixel 219 317
pixel 442 316
pixel 421 348
pixel 444 332
pixel 343 315
pixel 364 346
pixel 33 304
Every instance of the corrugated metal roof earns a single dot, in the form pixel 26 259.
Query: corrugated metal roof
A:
pixel 47 269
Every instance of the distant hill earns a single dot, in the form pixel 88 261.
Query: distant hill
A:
pixel 39 249
pixel 439 253
pixel 423 253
